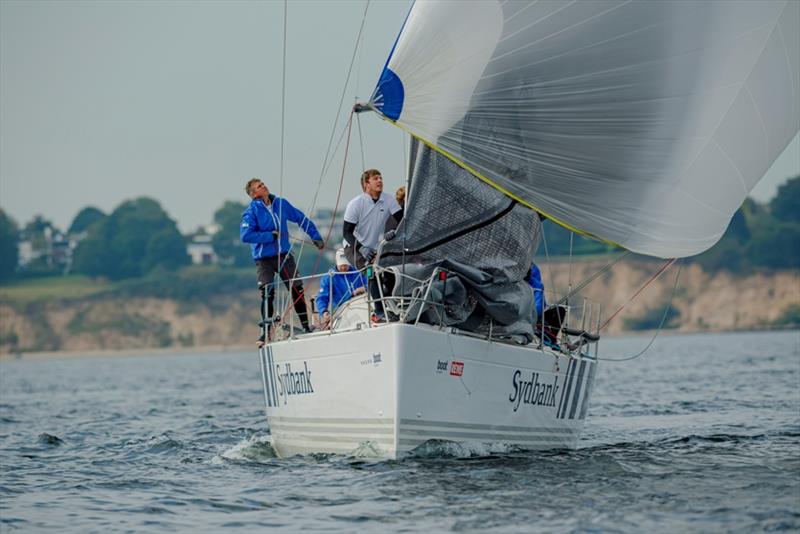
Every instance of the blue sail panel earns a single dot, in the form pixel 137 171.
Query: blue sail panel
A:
pixel 389 95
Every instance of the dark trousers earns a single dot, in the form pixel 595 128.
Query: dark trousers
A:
pixel 359 262
pixel 265 271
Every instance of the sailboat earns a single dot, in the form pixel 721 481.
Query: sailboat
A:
pixel 641 124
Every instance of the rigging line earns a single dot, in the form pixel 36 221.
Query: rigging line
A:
pixel 336 149
pixel 569 270
pixel 333 217
pixel 547 256
pixel 651 280
pixel 405 158
pixel 341 101
pixel 592 278
pixel 283 93
pixel 660 324
pixel 283 128
pixel 361 141
pixel 325 172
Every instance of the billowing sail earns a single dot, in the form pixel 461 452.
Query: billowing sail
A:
pixel 641 123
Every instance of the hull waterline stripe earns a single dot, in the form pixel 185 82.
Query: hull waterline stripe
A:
pixel 447 434
pixel 487 428
pixel 289 449
pixel 357 440
pixel 415 442
pixel 589 384
pixel 578 387
pixel 344 430
pixel 565 393
pixel 332 420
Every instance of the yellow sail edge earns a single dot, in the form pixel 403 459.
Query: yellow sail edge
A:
pixel 497 186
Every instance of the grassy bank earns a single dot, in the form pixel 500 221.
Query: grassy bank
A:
pixel 72 287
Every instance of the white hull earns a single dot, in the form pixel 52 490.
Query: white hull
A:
pixel 399 385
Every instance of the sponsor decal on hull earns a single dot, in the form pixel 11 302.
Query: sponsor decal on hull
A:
pixel 374 361
pixel 533 392
pixel 575 395
pixel 280 383
pixel 452 367
pixel 570 398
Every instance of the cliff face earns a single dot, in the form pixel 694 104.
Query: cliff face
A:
pixel 116 324
pixel 702 302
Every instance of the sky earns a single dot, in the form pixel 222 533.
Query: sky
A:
pixel 105 101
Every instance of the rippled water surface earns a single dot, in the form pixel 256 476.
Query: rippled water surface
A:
pixel 702 433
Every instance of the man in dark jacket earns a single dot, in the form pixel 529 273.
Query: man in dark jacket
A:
pixel 264 227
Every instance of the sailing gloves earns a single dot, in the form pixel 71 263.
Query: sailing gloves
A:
pixel 367 253
pixel 389 235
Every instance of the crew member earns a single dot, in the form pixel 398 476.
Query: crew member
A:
pixel 340 285
pixel 364 225
pixel 365 219
pixel 264 227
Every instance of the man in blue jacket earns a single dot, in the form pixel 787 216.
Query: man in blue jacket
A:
pixel 340 285
pixel 264 227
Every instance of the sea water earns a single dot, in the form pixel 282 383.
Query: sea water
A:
pixel 701 433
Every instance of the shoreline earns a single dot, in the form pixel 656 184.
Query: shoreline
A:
pixel 113 353
pixel 230 349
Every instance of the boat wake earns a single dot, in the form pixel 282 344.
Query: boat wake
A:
pixel 438 448
pixel 256 448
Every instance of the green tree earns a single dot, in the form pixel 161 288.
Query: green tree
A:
pixel 776 246
pixel 729 252
pixel 166 249
pixel 9 242
pixel 90 256
pixel 738 229
pixel 557 239
pixel 41 234
pixel 135 238
pixel 226 243
pixel 85 218
pixel 786 204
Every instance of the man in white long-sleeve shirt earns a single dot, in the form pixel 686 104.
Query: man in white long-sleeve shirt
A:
pixel 365 218
pixel 364 224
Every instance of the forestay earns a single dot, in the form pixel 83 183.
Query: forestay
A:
pixel 644 124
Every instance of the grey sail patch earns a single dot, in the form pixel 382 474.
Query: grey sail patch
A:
pixel 483 240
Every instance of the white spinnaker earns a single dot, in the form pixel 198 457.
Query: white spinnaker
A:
pixel 642 123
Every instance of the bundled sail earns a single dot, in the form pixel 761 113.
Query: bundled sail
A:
pixel 485 239
pixel 644 124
